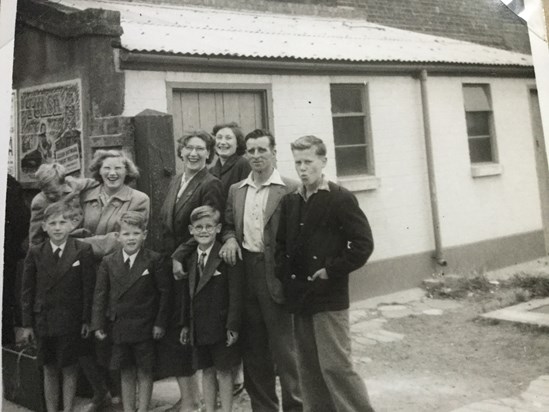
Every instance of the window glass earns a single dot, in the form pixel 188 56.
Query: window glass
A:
pixel 346 98
pixel 478 123
pixel 351 161
pixel 478 117
pixel 349 130
pixel 480 150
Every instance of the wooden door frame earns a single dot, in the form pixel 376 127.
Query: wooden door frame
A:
pixel 266 88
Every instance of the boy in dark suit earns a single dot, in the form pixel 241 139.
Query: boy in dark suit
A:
pixel 133 292
pixel 57 291
pixel 212 309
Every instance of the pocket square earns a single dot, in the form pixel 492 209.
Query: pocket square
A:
pixel 146 272
pixel 217 273
pixel 77 263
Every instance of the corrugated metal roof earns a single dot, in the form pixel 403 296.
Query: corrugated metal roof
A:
pixel 215 32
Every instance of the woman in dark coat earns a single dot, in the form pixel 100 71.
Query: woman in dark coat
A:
pixel 231 166
pixel 188 190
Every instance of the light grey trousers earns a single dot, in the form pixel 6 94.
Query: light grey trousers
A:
pixel 328 381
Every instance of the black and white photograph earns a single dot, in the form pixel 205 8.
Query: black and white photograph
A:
pixel 275 205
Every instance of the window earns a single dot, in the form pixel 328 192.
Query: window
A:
pixel 350 121
pixel 478 116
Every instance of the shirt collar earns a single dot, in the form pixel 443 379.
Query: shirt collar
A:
pixel 274 179
pixel 131 257
pixel 61 246
pixel 207 252
pixel 322 186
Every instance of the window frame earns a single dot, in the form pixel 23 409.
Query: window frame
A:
pixel 491 126
pixel 368 141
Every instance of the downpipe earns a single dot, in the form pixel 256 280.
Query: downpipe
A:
pixel 439 252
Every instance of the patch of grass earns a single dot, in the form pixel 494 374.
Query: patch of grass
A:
pixel 459 287
pixel 535 286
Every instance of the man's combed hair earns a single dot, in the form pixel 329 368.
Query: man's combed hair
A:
pixel 306 142
pixel 62 208
pixel 136 219
pixel 257 133
pixel 205 211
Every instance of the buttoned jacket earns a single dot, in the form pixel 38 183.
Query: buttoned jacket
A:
pixel 56 297
pixel 234 226
pixel 329 231
pixel 132 301
pixel 213 302
pixel 233 170
pixel 101 219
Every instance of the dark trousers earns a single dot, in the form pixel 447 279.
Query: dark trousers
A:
pixel 268 344
pixel 328 380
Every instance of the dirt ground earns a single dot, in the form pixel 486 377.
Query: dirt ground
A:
pixel 448 361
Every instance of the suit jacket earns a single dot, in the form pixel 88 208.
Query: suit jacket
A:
pixel 135 301
pixel 101 220
pixel 203 189
pixel 233 170
pixel 212 303
pixel 234 226
pixel 333 234
pixel 73 188
pixel 56 297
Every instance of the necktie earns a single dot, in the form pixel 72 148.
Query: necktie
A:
pixel 127 264
pixel 201 263
pixel 57 254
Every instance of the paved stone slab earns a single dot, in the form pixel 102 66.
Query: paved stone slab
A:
pixel 443 304
pixel 534 399
pixel 394 311
pixel 385 336
pixel 363 341
pixel 367 326
pixel 402 297
pixel 357 315
pixel 522 313
pixel 433 312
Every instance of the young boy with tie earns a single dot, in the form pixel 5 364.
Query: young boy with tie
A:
pixel 212 309
pixel 131 303
pixel 57 292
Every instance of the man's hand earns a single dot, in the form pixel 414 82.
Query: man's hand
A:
pixel 232 337
pixel 184 336
pixel 100 335
pixel 320 273
pixel 177 269
pixel 230 250
pixel 158 332
pixel 85 331
pixel 27 335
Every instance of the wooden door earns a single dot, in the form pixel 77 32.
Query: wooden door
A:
pixel 203 109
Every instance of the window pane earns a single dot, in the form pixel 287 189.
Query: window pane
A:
pixel 349 130
pixel 480 150
pixel 351 161
pixel 478 123
pixel 475 98
pixel 346 98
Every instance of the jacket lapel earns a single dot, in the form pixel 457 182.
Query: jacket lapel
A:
pixel 49 264
pixel 211 265
pixel 67 258
pixel 189 190
pixel 276 193
pixel 193 273
pixel 229 163
pixel 125 279
pixel 239 204
pixel 171 197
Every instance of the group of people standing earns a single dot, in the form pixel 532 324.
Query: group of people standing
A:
pixel 268 255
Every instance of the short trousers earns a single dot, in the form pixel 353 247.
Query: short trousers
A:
pixel 60 351
pixel 139 354
pixel 218 355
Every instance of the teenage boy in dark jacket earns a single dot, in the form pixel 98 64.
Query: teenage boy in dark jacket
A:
pixel 322 237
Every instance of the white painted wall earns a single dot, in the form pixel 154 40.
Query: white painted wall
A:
pixel 471 209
